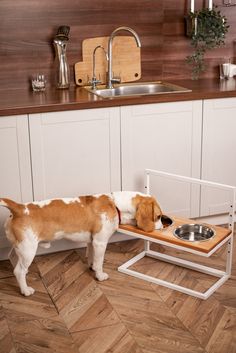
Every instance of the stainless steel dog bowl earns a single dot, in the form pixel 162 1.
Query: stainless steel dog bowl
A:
pixel 194 232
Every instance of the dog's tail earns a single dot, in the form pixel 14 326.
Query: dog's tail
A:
pixel 14 207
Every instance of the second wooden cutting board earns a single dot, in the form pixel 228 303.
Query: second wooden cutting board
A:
pixel 126 60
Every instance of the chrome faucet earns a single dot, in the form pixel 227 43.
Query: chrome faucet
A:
pixel 94 80
pixel 112 79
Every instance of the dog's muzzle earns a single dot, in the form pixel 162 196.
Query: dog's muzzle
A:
pixel 158 224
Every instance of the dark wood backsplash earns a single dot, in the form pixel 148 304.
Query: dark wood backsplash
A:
pixel 28 27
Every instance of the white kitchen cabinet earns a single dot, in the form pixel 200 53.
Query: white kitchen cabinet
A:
pixel 15 175
pixel 218 152
pixel 167 137
pixel 75 152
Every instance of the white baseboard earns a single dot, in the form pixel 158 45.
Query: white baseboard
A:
pixel 214 220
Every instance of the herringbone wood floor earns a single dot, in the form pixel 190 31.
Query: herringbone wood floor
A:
pixel 73 313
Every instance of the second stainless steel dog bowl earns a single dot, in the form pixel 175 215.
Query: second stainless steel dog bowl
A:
pixel 194 232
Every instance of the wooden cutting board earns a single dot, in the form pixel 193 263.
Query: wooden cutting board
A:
pixel 126 60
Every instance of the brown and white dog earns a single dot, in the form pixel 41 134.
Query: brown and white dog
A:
pixel 90 219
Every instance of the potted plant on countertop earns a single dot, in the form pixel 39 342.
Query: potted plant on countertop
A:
pixel 207 29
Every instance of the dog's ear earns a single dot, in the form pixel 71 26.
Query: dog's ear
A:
pixel 144 216
pixel 157 212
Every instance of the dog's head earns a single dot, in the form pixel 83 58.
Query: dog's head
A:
pixel 148 214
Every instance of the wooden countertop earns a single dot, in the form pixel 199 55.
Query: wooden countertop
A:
pixel 14 102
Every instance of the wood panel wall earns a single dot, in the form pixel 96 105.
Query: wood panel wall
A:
pixel 28 27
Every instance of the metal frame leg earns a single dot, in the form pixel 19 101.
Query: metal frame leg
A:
pixel 222 275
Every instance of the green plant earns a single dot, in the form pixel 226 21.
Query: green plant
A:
pixel 209 33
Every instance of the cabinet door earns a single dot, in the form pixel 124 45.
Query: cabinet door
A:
pixel 15 175
pixel 166 137
pixel 75 153
pixel 218 153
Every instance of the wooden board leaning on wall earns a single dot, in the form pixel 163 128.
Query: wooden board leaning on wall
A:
pixel 126 60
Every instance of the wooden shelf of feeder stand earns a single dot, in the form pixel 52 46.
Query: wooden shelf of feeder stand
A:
pixel 166 235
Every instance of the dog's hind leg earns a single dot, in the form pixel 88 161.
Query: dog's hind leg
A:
pixel 25 251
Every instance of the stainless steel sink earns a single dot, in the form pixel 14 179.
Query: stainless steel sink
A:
pixel 137 89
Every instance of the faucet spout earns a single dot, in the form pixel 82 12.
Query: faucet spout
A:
pixel 111 80
pixel 94 80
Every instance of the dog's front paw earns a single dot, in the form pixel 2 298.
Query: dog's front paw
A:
pixel 102 276
pixel 27 291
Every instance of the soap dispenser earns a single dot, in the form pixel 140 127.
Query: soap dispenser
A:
pixel 62 68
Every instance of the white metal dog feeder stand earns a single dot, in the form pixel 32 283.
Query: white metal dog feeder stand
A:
pixel 166 238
